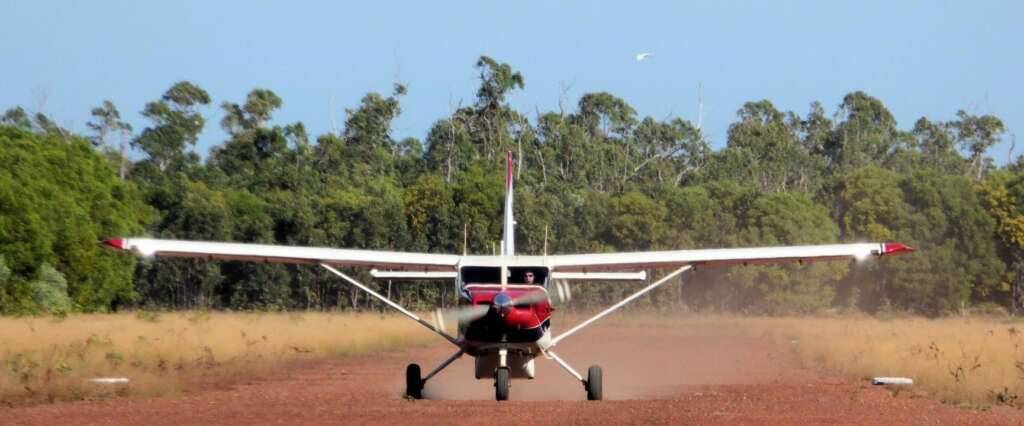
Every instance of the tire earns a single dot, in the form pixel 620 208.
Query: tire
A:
pixel 594 391
pixel 413 382
pixel 501 384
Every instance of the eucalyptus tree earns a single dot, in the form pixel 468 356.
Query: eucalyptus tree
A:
pixel 257 110
pixel 491 112
pixel 177 123
pixel 976 134
pixel 866 134
pixel 17 117
pixel 108 120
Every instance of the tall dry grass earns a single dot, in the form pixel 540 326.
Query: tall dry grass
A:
pixel 961 360
pixel 958 360
pixel 48 359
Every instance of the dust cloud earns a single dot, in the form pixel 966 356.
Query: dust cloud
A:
pixel 640 360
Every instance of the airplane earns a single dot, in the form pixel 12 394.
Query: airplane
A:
pixel 504 319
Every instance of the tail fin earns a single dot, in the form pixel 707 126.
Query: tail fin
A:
pixel 508 237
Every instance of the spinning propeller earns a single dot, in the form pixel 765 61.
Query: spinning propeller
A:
pixel 501 303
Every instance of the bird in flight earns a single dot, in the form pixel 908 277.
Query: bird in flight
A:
pixel 641 56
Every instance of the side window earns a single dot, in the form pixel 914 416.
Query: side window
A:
pixel 528 275
pixel 480 275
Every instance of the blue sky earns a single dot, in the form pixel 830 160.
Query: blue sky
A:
pixel 920 58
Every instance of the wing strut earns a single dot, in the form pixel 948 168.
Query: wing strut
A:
pixel 594 388
pixel 397 307
pixel 611 309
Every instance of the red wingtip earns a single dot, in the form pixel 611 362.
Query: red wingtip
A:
pixel 117 243
pixel 895 248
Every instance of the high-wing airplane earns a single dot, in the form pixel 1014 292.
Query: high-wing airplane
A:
pixel 504 321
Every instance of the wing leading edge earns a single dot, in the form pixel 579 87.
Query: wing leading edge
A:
pixel 594 262
pixel 720 257
pixel 262 253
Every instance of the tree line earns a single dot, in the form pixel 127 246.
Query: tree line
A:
pixel 597 177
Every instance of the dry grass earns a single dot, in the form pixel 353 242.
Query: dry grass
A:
pixel 45 359
pixel 969 361
pixel 957 360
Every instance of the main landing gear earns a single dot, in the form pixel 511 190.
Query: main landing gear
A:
pixel 413 382
pixel 593 383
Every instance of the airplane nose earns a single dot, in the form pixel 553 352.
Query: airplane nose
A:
pixel 502 304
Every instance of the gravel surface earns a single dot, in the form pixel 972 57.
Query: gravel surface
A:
pixel 685 375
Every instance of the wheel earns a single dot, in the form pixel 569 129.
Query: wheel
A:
pixel 594 383
pixel 413 382
pixel 501 384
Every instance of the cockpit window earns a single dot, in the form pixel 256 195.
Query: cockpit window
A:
pixel 481 275
pixel 516 275
pixel 527 275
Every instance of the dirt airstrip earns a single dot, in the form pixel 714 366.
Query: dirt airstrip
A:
pixel 682 375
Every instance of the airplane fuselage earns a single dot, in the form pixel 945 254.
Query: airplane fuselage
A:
pixel 506 321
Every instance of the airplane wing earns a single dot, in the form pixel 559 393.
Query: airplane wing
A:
pixel 720 257
pixel 263 253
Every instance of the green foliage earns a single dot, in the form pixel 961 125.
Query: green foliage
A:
pixel 50 291
pixel 177 123
pixel 258 108
pixel 595 178
pixel 787 219
pixel 635 222
pixel 58 197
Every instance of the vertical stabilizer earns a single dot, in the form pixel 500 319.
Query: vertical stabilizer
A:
pixel 508 232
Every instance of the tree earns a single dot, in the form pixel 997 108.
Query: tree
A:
pixel 367 134
pixel 958 262
pixel 768 143
pixel 636 222
pixel 430 212
pixel 57 198
pixel 1002 195
pixel 976 135
pixel 787 218
pixel 496 80
pixel 867 134
pixel 258 109
pixel 176 125
pixel 17 117
pixel 109 121
pixel 492 116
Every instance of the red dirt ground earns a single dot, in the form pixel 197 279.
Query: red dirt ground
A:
pixel 684 375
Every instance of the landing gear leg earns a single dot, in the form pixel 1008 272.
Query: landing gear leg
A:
pixel 593 382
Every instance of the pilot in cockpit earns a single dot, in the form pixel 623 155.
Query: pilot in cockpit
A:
pixel 528 278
